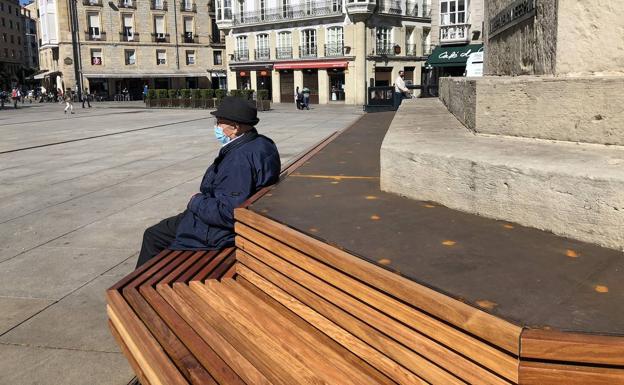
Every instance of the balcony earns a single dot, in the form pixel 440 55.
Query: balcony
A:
pixel 94 3
pixel 124 36
pixel 157 5
pixel 217 40
pixel 334 50
pixel 454 33
pixel 390 7
pixel 385 50
pixel 292 12
pixel 241 55
pixel 95 35
pixel 188 7
pixel 307 51
pixel 283 53
pixel 262 54
pixel 189 38
pixel 130 4
pixel 160 37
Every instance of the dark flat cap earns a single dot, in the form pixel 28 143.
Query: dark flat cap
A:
pixel 237 110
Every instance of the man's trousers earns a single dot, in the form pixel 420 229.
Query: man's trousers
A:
pixel 158 237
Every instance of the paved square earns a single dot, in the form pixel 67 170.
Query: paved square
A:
pixel 77 192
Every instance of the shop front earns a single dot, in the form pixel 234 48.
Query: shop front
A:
pixel 324 78
pixel 446 61
pixel 264 82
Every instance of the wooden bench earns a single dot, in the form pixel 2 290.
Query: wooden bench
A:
pixel 285 308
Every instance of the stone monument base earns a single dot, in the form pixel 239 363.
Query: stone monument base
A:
pixel 578 109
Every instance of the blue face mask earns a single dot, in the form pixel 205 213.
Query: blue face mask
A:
pixel 220 135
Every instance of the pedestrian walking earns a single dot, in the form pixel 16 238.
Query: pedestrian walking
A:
pixel 15 97
pixel 69 101
pixel 400 91
pixel 145 91
pixel 3 96
pixel 306 98
pixel 85 98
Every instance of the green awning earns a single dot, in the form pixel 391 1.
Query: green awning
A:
pixel 456 56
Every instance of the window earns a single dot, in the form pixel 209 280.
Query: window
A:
pixel 1 6
pixel 11 24
pixel 96 57
pixel 452 12
pixel 161 57
pixel 284 40
pixel 190 57
pixel 6 52
pixel 3 22
pixel 188 30
pixel 159 26
pixel 242 51
pixel 94 25
pixel 384 40
pixel 19 40
pixel 4 37
pixel 286 9
pixel 227 9
pixel 308 43
pixel 130 56
pixel 12 39
pixel 334 42
pixel 262 41
pixel 262 9
pixel 217 58
pixel 127 27
pixel 12 53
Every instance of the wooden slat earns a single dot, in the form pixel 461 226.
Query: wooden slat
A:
pixel 271 367
pixel 582 348
pixel 186 363
pixel 141 270
pixel 274 347
pixel 186 264
pixel 490 328
pixel 230 273
pixel 355 345
pixel 203 355
pixel 249 373
pixel 206 271
pixel 150 356
pixel 359 319
pixel 228 262
pixel 265 300
pixel 193 270
pixel 490 357
pixel 320 359
pixel 126 352
pixel 550 374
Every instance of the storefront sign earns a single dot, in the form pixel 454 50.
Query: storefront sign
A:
pixel 452 56
pixel 516 12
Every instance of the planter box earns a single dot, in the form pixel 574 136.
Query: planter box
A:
pixel 185 103
pixel 263 105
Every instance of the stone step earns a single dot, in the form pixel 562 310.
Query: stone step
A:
pixel 572 189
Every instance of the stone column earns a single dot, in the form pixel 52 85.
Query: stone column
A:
pixel 231 79
pixel 360 81
pixel 276 85
pixel 254 79
pixel 298 75
pixel 323 86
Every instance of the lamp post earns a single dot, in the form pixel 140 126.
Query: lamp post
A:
pixel 73 12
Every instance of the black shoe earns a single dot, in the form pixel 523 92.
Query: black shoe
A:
pixel 135 381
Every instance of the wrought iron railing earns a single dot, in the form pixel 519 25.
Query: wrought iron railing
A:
pixel 427 48
pixel 307 51
pixel 97 3
pixel 217 39
pixel 283 53
pixel 126 4
pixel 418 10
pixel 158 5
pixel 160 37
pixel 262 54
pixel 298 11
pixel 334 49
pixel 188 7
pixel 123 36
pixel 411 49
pixel 241 55
pixel 93 35
pixel 189 38
pixel 384 49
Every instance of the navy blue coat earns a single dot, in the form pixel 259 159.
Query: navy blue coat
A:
pixel 208 222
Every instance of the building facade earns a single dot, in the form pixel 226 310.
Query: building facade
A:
pixel 31 43
pixel 11 44
pixel 335 48
pixel 456 32
pixel 127 44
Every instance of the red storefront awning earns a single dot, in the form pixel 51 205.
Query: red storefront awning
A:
pixel 296 65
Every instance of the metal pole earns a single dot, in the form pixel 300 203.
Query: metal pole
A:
pixel 75 42
pixel 175 23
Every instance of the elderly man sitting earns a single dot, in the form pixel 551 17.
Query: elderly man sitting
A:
pixel 247 162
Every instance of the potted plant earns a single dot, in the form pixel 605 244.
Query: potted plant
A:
pixel 262 100
pixel 151 98
pixel 162 97
pixel 208 98
pixel 185 98
pixel 219 94
pixel 247 94
pixel 173 98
